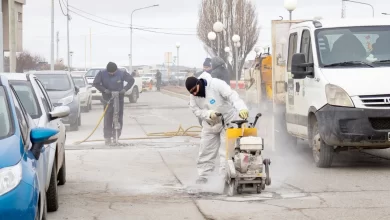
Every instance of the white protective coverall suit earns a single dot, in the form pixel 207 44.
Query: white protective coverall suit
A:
pixel 222 99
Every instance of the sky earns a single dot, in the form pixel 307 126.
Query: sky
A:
pixel 96 44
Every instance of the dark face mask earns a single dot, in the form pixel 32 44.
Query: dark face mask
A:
pixel 202 89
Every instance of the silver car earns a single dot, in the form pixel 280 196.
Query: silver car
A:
pixel 62 92
pixel 85 93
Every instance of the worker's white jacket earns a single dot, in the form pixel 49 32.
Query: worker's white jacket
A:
pixel 219 97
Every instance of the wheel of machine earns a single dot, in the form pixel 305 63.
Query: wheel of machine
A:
pixel 79 120
pixel 231 188
pixel 52 191
pixel 62 173
pixel 322 153
pixel 268 181
pixel 134 95
pixel 240 189
pixel 259 188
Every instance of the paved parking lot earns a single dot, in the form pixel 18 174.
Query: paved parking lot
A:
pixel 154 179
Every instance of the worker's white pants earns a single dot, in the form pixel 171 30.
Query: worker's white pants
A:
pixel 212 144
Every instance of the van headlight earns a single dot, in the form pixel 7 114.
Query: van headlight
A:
pixel 67 100
pixel 336 96
pixel 10 178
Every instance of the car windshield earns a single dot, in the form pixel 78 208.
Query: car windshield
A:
pixel 55 82
pixel 28 98
pixel 5 119
pixel 79 81
pixel 353 44
pixel 92 72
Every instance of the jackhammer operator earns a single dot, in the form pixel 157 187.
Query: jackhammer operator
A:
pixel 106 81
pixel 208 97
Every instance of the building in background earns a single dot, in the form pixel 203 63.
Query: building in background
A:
pixel 18 26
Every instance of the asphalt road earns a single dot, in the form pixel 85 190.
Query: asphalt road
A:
pixel 154 179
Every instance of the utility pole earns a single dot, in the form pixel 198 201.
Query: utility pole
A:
pixel 67 30
pixel 1 39
pixel 343 9
pixel 85 53
pixel 58 46
pixel 90 47
pixel 52 37
pixel 12 36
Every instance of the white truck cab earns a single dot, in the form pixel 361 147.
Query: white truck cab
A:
pixel 338 85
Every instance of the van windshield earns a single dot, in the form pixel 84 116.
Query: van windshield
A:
pixel 353 44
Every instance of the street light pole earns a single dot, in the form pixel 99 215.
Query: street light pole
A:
pixel 178 47
pixel 236 39
pixel 52 37
pixel 218 28
pixel 67 33
pixel 71 61
pixel 211 36
pixel 290 5
pixel 131 36
pixel 362 3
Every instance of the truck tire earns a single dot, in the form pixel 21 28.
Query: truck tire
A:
pixel 323 154
pixel 134 95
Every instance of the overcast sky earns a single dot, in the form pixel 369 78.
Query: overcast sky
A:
pixel 172 16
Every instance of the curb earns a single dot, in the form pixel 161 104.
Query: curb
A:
pixel 175 94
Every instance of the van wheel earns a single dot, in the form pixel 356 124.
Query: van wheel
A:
pixel 62 173
pixel 134 95
pixel 322 153
pixel 52 192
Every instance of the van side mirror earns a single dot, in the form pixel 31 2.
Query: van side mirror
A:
pixel 299 66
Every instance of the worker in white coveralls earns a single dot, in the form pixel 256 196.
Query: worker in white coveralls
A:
pixel 208 97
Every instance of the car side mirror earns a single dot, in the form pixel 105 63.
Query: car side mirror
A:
pixel 41 136
pixel 77 89
pixel 59 112
pixel 299 66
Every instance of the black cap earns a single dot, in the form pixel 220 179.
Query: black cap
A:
pixel 111 67
pixel 207 62
pixel 191 82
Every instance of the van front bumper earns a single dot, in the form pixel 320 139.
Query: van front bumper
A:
pixel 354 127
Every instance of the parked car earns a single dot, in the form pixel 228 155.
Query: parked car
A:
pixel 132 93
pixel 165 80
pixel 62 92
pixel 37 103
pixel 181 77
pixel 22 162
pixel 85 91
pixel 147 80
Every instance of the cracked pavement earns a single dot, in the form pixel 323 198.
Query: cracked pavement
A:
pixel 154 179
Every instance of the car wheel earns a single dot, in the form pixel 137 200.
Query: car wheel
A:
pixel 44 215
pixel 134 95
pixel 52 192
pixel 62 173
pixel 74 126
pixel 322 153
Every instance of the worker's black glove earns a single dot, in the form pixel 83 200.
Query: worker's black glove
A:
pixel 122 92
pixel 107 91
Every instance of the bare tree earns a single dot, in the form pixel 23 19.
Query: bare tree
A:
pixel 239 17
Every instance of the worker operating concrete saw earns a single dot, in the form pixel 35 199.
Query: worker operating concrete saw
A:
pixel 210 96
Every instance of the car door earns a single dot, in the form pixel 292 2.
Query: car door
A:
pixel 88 89
pixel 306 92
pixel 291 108
pixel 56 124
pixel 26 123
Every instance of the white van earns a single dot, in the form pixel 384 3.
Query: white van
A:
pixel 338 85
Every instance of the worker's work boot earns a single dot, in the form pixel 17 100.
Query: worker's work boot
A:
pixel 201 180
pixel 107 141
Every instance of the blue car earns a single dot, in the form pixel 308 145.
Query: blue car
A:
pixel 22 166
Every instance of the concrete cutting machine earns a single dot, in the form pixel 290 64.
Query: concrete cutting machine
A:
pixel 247 170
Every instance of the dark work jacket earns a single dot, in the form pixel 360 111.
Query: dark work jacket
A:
pixel 105 80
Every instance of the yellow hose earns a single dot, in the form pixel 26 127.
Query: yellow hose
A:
pixel 159 135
